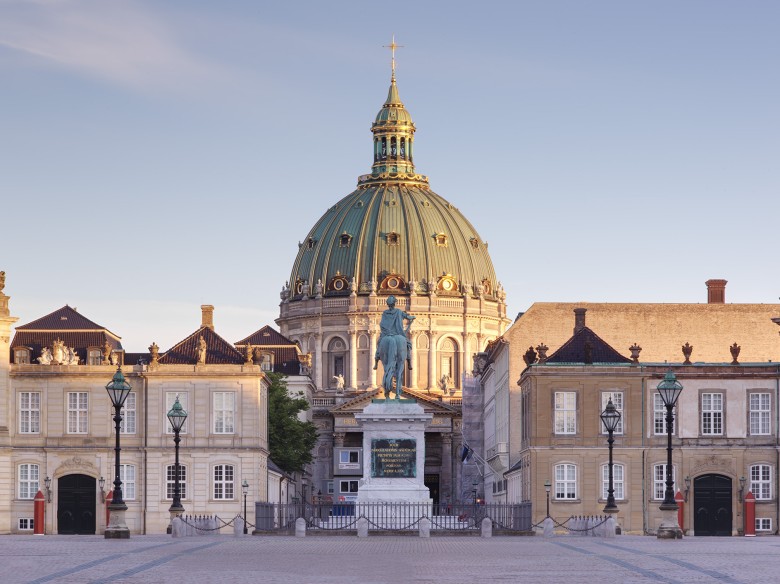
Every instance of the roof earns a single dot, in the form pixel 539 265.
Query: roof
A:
pixel 267 336
pixel 660 329
pixel 585 346
pixel 390 229
pixel 429 403
pixel 218 350
pixel 68 325
pixel 65 318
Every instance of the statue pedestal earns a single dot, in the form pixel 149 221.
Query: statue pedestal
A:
pixel 393 453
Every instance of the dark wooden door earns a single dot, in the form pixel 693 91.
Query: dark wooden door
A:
pixel 76 503
pixel 712 505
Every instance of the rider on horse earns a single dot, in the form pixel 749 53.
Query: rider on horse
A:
pixel 391 345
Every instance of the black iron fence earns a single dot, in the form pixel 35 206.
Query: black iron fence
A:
pixel 393 516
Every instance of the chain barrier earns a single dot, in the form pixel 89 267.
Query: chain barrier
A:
pixel 589 525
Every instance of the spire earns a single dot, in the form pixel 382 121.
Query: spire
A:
pixel 393 131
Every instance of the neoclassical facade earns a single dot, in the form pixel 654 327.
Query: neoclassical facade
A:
pixel 391 236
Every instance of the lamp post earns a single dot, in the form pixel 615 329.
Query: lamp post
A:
pixel 47 482
pixel 245 488
pixel 176 416
pixel 610 417
pixel 547 487
pixel 118 390
pixel 670 390
pixel 474 492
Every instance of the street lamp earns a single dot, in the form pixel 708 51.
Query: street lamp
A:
pixel 245 488
pixel 670 390
pixel 176 416
pixel 547 487
pixel 610 417
pixel 474 492
pixel 118 390
pixel 102 485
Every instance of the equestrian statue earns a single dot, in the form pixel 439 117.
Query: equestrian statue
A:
pixel 393 348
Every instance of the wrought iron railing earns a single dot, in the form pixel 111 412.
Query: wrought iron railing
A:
pixel 392 516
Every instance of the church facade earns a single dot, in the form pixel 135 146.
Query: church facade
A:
pixel 394 236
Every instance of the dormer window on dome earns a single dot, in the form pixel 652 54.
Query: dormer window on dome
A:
pixel 392 283
pixel 447 284
pixel 441 239
pixel 310 243
pixel 345 239
pixel 487 289
pixel 338 284
pixel 393 238
pixel 474 242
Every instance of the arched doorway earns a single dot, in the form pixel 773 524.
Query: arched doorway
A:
pixel 712 505
pixel 76 501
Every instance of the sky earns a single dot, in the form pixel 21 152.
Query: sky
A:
pixel 156 156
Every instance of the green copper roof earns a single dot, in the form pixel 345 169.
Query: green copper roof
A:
pixel 393 230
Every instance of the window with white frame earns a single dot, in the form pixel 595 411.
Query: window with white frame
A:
pixel 127 476
pixel 618 472
pixel 223 481
pixel 659 481
pixel 170 399
pixel 329 487
pixel 763 524
pixel 617 401
pixel 712 414
pixel 26 524
pixel 761 481
pixel 29 412
pixel 22 356
pixel 348 487
pixel 127 425
pixel 170 481
pixel 224 412
pixel 565 482
pixel 659 416
pixel 266 363
pixel 760 414
pixel 78 411
pixel 565 412
pixel 28 480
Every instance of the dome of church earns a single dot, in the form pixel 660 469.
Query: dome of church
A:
pixel 393 234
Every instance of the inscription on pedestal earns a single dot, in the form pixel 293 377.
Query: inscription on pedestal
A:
pixel 394 458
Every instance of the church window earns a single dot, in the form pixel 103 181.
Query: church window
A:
pixel 393 238
pixel 384 149
pixel 393 150
pixel 392 282
pixel 447 284
pixel 338 283
pixel 310 243
pixel 403 148
pixel 22 356
pixel 474 242
pixel 441 239
pixel 345 240
pixel 486 287
pixel 338 365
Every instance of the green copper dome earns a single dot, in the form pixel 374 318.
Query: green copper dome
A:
pixel 393 234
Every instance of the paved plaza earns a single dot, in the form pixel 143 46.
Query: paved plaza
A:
pixel 340 560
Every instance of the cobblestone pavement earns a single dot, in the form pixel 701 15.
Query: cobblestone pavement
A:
pixel 374 560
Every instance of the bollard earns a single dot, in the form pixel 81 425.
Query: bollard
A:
pixel 425 527
pixel 609 532
pixel 178 529
pixel 300 527
pixel 487 527
pixel 238 527
pixel 549 528
pixel 362 527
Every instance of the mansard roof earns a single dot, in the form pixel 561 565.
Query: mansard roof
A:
pixel 267 336
pixel 585 346
pixel 65 318
pixel 218 350
pixel 284 350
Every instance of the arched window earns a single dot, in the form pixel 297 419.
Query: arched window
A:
pixel 403 147
pixel 393 148
pixel 384 149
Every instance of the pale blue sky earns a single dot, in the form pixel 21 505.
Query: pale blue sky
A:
pixel 157 156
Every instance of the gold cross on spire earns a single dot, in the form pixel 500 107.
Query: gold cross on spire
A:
pixel 392 46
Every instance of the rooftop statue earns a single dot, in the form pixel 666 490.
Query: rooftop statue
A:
pixel 394 347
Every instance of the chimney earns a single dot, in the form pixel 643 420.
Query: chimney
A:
pixel 207 316
pixel 716 291
pixel 579 319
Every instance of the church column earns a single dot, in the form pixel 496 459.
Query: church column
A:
pixel 467 365
pixel 353 366
pixel 372 352
pixel 457 487
pixel 318 369
pixel 445 481
pixel 432 381
pixel 415 363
